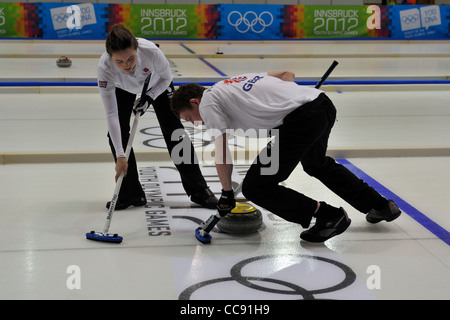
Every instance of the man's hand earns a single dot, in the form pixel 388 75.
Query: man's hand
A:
pixel 121 166
pixel 283 75
pixel 226 202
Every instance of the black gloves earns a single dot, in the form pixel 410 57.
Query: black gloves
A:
pixel 142 107
pixel 226 203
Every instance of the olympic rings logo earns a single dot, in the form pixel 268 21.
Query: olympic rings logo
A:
pixel 291 289
pixel 62 17
pixel 412 18
pixel 156 139
pixel 250 20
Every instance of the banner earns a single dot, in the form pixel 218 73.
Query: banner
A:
pixel 224 21
pixel 79 21
pixel 419 22
pixel 250 22
pixel 164 21
pixel 20 20
pixel 338 21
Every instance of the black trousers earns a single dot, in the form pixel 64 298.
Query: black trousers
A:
pixel 191 176
pixel 303 138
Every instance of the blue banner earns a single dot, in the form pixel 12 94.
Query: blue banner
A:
pixel 65 21
pixel 250 22
pixel 419 22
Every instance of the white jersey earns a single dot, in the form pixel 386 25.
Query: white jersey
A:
pixel 150 59
pixel 251 102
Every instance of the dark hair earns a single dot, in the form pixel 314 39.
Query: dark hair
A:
pixel 120 38
pixel 184 93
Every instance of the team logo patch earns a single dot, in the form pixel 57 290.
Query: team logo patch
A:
pixel 235 80
pixel 102 84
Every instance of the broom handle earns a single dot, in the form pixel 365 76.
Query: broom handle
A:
pixel 127 155
pixel 326 74
pixel 120 179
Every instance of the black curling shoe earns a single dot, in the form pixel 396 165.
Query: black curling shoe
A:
pixel 390 212
pixel 325 229
pixel 205 198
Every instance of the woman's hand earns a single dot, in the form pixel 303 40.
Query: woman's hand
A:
pixel 121 166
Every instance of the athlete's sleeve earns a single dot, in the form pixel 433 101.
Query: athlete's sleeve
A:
pixel 162 68
pixel 112 120
pixel 215 121
pixel 108 95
